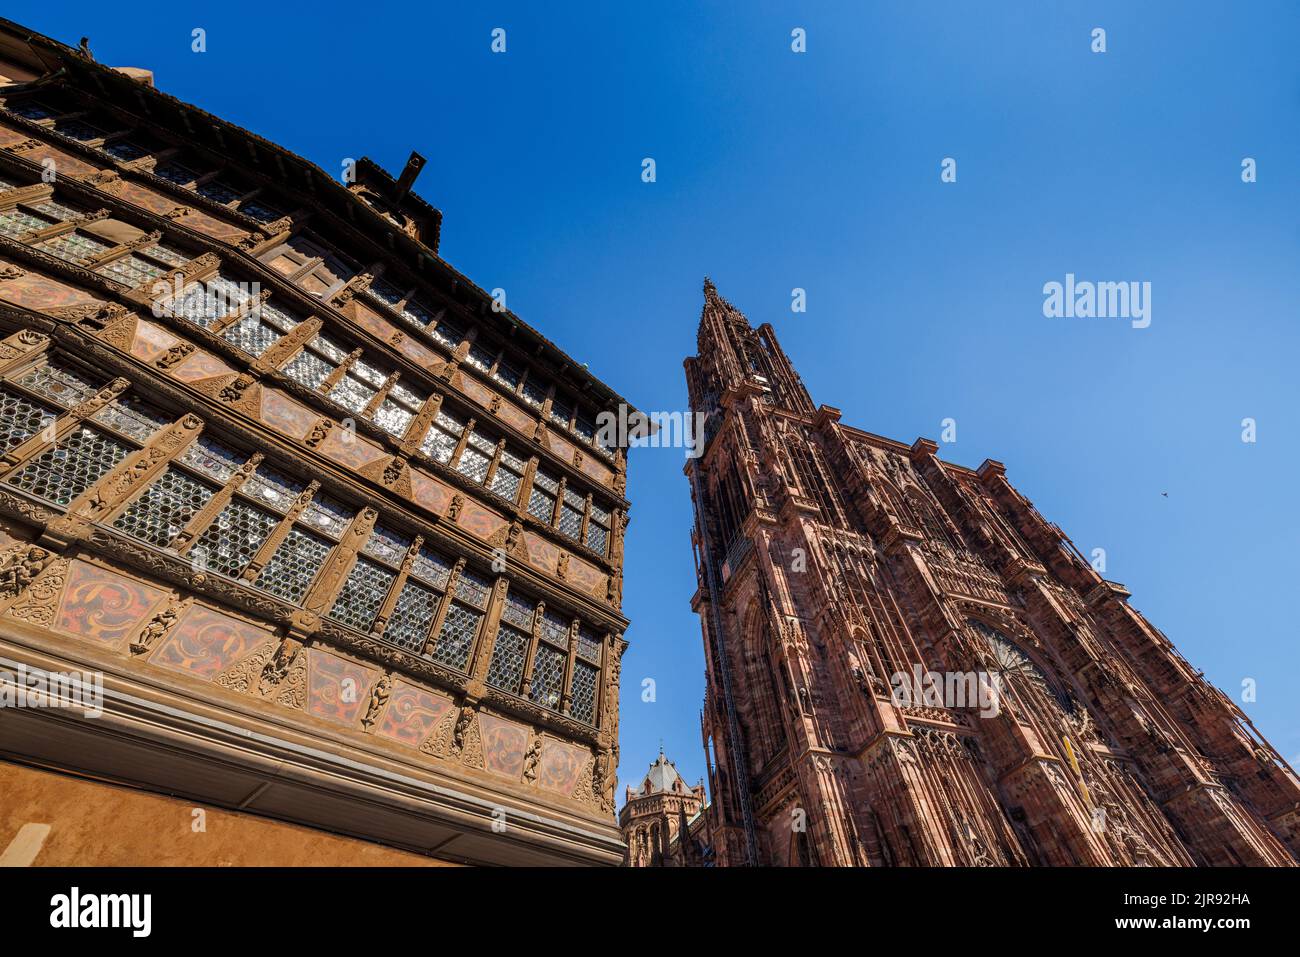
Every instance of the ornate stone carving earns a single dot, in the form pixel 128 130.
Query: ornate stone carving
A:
pixel 159 625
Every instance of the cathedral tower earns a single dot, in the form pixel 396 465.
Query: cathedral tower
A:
pixel 833 562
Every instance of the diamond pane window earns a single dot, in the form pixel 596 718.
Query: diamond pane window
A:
pixel 230 542
pixel 548 677
pixel 431 567
pixel 15 223
pixel 352 393
pixel 588 645
pixel 125 150
pixel 216 460
pixel 448 333
pixel 71 466
pixel 328 516
pixel 415 312
pixel 362 594
pixel 131 270
pixel 252 335
pixel 597 538
pixel 534 392
pixel 507 375
pixel 385 292
pixel 480 358
pixel 218 192
pixel 20 419
pixel 506 481
pixel 162 511
pixel 74 247
pixel 278 318
pixel 132 418
pixel 392 418
pixel 308 369
pixel 473 464
pixel 78 130
pixel 272 489
pixel 541 505
pixel 56 210
pixel 259 211
pixel 560 412
pixel 508 656
pixel 443 437
pixel 519 611
pixel 59 384
pixel 412 616
pixel 456 635
pixel 585 679
pixel 368 373
pixel 33 110
pixel 571 522
pixel 473 588
pixel 176 173
pixel 294 565
pixel 584 427
pixel 166 254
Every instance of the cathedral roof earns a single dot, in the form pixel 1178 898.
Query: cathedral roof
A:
pixel 662 777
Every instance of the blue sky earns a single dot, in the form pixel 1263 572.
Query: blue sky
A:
pixel 821 171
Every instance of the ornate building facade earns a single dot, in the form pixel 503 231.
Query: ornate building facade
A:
pixel 338 534
pixel 657 814
pixel 831 560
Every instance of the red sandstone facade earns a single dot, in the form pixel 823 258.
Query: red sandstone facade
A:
pixel 338 534
pixel 830 559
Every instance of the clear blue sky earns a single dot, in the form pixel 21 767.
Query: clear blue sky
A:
pixel 821 170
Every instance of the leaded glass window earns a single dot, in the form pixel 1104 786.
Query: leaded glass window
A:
pixel 293 567
pixel 585 679
pixel 476 457
pixel 413 615
pixel 534 392
pixel 21 418
pixel 443 437
pixel 15 223
pixel 259 211
pixel 60 212
pixel 70 466
pixel 448 333
pixel 230 542
pixel 74 247
pixel 387 545
pixel 212 458
pixel 131 270
pixel 431 567
pixel 479 357
pixel 272 489
pixel 132 418
pixel 561 412
pixel 589 645
pixel 124 150
pixel 555 629
pixel 519 611
pixel 509 654
pixel 508 476
pixel 79 130
pixel 547 683
pixel 59 383
pixel 176 173
pixel 457 635
pixel 362 594
pixel 598 529
pixel 308 369
pixel 541 500
pixel 252 334
pixel 571 515
pixel 218 192
pixel 328 516
pixel 473 588
pixel 162 511
pixel 507 375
